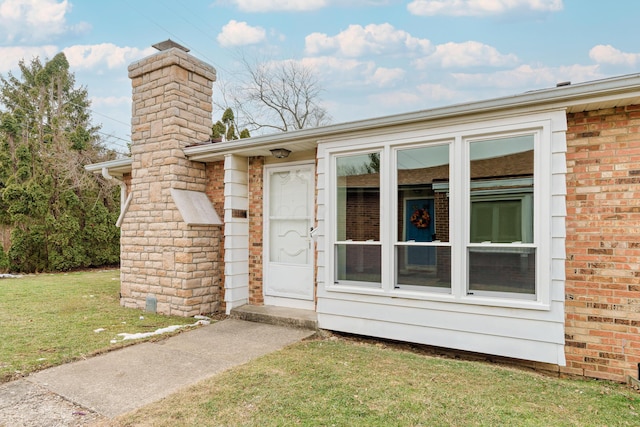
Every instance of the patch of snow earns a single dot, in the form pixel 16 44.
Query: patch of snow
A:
pixel 125 336
pixel 10 276
pixel 97 331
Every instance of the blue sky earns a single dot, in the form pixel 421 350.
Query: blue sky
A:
pixel 373 57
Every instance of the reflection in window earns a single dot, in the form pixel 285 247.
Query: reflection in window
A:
pixel 423 218
pixel 358 250
pixel 501 212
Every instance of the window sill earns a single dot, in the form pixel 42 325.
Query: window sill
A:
pixel 474 300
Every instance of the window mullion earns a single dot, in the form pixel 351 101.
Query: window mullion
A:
pixel 459 216
pixel 386 213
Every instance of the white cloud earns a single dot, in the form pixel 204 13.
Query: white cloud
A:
pixel 331 68
pixel 110 101
pixel 352 72
pixel 480 7
pixel 527 77
pixel 279 5
pixel 607 54
pixel 236 33
pixel 425 95
pixel 373 39
pixel 103 55
pixel 10 56
pixel 437 92
pixel 28 21
pixel 385 77
pixel 467 54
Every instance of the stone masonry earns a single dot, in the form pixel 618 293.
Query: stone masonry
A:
pixel 161 256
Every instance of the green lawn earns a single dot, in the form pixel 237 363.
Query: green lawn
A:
pixel 46 320
pixel 348 383
pixel 49 319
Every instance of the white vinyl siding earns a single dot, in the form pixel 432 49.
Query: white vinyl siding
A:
pixel 236 232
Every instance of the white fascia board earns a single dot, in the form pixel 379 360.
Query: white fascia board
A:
pixel 115 167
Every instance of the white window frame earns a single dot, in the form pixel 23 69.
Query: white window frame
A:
pixel 346 243
pixel 397 242
pixel 459 135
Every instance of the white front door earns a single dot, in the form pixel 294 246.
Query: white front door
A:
pixel 288 267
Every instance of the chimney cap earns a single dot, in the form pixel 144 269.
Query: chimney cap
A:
pixel 168 44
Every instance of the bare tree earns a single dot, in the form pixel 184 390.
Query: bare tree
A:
pixel 276 96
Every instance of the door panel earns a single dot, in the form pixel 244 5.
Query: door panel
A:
pixel 419 256
pixel 289 266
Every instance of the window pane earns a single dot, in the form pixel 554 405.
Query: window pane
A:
pixel 502 190
pixel 359 263
pixel 497 221
pixel 423 217
pixel 502 270
pixel 358 197
pixel 423 198
pixel 437 275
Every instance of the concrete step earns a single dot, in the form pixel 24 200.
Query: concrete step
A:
pixel 283 316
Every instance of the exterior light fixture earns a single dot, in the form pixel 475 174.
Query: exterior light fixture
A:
pixel 280 153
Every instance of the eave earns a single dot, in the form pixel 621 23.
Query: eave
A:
pixel 116 168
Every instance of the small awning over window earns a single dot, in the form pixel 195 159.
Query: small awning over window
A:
pixel 195 207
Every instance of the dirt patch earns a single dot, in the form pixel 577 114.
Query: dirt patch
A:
pixel 24 404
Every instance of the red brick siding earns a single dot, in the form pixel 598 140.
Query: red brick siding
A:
pixel 362 215
pixel 215 191
pixel 256 207
pixel 603 243
pixel 441 208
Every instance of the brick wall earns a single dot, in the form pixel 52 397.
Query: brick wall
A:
pixel 256 207
pixel 603 243
pixel 362 220
pixel 162 256
pixel 215 191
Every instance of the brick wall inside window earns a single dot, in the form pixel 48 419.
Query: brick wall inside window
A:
pixel 603 243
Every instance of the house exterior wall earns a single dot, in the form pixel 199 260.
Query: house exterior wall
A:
pixel 603 243
pixel 162 257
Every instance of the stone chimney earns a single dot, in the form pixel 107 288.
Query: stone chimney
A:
pixel 168 258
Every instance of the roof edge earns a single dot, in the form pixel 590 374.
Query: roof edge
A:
pixel 123 164
pixel 568 96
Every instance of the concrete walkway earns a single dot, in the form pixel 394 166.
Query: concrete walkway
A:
pixel 121 381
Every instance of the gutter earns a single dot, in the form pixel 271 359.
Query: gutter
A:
pixel 124 200
pixel 123 163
